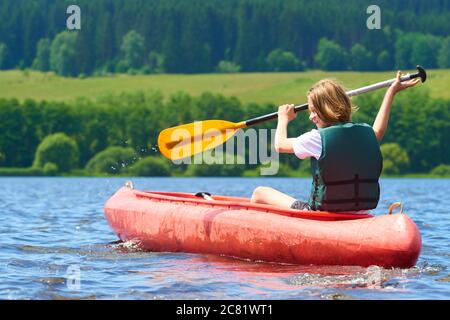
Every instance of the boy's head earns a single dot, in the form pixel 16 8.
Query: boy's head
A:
pixel 328 104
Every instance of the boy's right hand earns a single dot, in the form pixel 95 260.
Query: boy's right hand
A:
pixel 397 85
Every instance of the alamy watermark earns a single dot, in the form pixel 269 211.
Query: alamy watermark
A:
pixel 374 20
pixel 73 22
pixel 73 277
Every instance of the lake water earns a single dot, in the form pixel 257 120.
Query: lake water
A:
pixel 55 244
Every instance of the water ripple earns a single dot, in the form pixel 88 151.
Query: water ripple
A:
pixel 53 233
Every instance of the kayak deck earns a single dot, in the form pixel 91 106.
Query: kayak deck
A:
pixel 244 203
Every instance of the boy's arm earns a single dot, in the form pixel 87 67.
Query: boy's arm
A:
pixel 283 144
pixel 381 121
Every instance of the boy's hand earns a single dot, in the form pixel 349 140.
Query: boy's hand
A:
pixel 397 85
pixel 286 112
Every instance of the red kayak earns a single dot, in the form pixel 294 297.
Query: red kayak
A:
pixel 232 226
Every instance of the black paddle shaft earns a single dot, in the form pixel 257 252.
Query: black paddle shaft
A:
pixel 421 73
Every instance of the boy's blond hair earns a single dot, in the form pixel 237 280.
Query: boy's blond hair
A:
pixel 331 102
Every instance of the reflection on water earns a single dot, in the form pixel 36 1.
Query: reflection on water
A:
pixel 52 226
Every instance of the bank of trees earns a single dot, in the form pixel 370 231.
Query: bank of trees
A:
pixel 118 133
pixel 196 36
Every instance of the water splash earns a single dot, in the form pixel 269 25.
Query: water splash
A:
pixel 154 149
pixel 430 269
pixel 127 246
pixel 373 277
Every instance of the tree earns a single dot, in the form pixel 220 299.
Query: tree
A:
pixel 403 49
pixel 2 158
pixel 42 60
pixel 330 56
pixel 155 62
pixel 279 60
pixel 50 169
pixel 441 170
pixel 205 107
pixel 111 160
pixel 133 50
pixel 443 59
pixel 395 159
pixel 32 32
pixel 377 41
pixel 361 58
pixel 246 45
pixel 228 67
pixel 84 47
pixel 63 54
pixel 221 169
pixel 196 52
pixel 171 47
pixel 4 55
pixel 105 39
pixel 384 61
pixel 58 149
pixel 425 50
pixel 150 167
pixel 416 48
pixel 11 129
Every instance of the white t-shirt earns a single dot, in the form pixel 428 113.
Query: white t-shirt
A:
pixel 308 145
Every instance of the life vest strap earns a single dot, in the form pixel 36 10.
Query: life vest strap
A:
pixel 352 200
pixel 351 181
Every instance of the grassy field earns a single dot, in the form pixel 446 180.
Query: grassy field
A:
pixel 248 87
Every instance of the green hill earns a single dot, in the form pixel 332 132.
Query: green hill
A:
pixel 248 87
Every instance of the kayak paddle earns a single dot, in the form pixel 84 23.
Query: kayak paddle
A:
pixel 189 139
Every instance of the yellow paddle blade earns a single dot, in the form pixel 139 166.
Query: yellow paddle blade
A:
pixel 188 139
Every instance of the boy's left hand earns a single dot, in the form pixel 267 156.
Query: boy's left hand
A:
pixel 397 85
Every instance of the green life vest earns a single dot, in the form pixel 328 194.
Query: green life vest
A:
pixel 345 178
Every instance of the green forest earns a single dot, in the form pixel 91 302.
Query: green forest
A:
pixel 201 36
pixel 45 130
pixel 117 134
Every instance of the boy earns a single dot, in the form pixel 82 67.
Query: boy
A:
pixel 346 161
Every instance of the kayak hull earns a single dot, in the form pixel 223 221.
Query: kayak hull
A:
pixel 178 222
